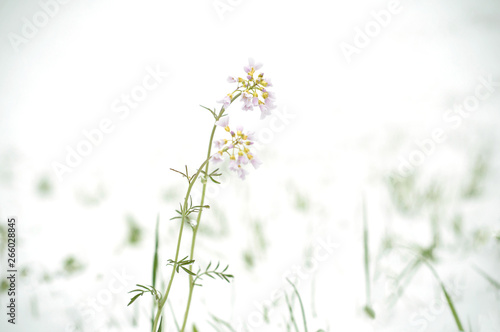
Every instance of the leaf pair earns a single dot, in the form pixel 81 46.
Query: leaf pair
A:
pixel 144 289
pixel 212 175
pixel 186 211
pixel 181 265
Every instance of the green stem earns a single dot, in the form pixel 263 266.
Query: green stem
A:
pixel 164 298
pixel 195 231
pixel 198 219
pixel 300 302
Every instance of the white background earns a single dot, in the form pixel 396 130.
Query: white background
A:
pixel 351 120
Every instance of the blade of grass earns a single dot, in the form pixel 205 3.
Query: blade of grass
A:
pixel 216 328
pixel 313 297
pixel 452 308
pixel 404 278
pixel 223 322
pixel 290 309
pixel 287 324
pixel 490 279
pixel 368 309
pixel 448 298
pixel 300 302
pixel 155 266
pixel 173 315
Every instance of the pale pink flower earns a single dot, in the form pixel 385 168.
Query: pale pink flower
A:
pixel 238 147
pixel 219 143
pixel 223 122
pixel 252 64
pixel 242 160
pixel 246 98
pixel 232 79
pixel 270 104
pixel 216 158
pixel 251 136
pixel 255 162
pixel 226 101
pixel 233 165
pixel 264 111
pixel 241 172
pixel 247 108
pixel 271 95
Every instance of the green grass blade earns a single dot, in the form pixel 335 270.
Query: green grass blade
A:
pixel 292 316
pixel 155 265
pixel 300 302
pixel 490 279
pixel 223 322
pixel 368 309
pixel 448 298
pixel 452 308
pixel 173 315
pixel 404 279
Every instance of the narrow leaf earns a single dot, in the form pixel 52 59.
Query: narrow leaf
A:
pixel 134 298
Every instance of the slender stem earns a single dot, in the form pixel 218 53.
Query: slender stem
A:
pixel 195 231
pixel 179 239
pixel 198 219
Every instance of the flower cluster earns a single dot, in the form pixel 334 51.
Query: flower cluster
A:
pixel 237 148
pixel 253 91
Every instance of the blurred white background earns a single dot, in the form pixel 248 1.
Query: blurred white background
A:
pixel 352 109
